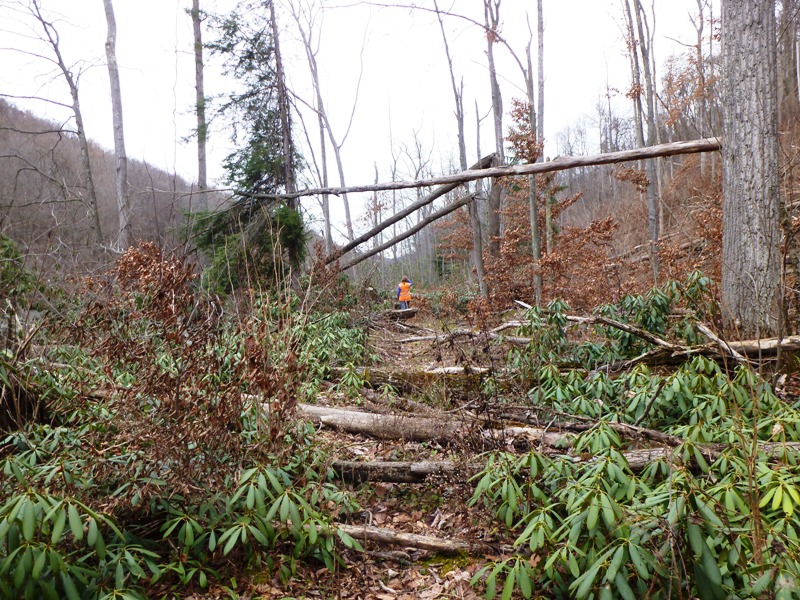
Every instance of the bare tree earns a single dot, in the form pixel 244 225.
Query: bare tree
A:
pixel 458 97
pixel 491 13
pixel 750 177
pixel 200 102
pixel 305 17
pixel 123 201
pixel 51 38
pixel 639 45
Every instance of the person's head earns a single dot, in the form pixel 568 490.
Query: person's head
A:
pixel 405 279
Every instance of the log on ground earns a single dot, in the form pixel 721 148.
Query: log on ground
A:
pixel 461 381
pixel 418 429
pixel 384 536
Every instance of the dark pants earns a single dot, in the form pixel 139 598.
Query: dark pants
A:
pixel 403 305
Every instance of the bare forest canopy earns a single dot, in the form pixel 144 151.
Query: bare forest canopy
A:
pixel 43 198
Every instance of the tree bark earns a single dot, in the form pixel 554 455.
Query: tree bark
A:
pixel 751 236
pixel 123 200
pixel 200 103
pixel 287 145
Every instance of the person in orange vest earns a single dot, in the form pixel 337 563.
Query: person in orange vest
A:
pixel 404 293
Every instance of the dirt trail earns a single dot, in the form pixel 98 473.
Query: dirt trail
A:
pixel 438 507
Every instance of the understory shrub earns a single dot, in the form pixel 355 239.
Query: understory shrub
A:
pixel 171 457
pixel 710 509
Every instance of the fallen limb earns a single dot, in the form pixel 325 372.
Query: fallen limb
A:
pixel 724 346
pixel 368 533
pixel 768 346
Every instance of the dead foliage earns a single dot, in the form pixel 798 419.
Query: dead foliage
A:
pixel 182 416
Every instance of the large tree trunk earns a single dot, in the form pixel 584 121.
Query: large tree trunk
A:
pixel 123 201
pixel 200 102
pixel 750 182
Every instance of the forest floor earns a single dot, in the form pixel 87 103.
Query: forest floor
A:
pixel 439 507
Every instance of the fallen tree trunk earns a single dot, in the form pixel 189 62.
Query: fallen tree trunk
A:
pixel 559 164
pixel 400 314
pixel 465 380
pixel 419 472
pixel 419 429
pixel 403 472
pixel 383 536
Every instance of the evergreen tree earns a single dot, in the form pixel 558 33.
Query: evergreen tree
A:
pixel 249 239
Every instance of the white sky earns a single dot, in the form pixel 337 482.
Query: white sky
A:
pixel 405 86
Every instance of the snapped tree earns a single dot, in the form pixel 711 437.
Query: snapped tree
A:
pixel 252 239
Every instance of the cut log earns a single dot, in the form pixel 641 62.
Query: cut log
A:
pixel 461 380
pixel 384 536
pixel 420 429
pixel 400 314
pixel 419 472
pixel 403 472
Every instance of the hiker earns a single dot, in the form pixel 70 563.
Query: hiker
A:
pixel 404 293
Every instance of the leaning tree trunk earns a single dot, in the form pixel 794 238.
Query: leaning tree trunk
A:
pixel 750 181
pixel 123 200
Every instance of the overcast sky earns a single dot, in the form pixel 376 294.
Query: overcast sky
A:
pixel 405 88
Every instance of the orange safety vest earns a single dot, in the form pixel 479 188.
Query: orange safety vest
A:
pixel 405 291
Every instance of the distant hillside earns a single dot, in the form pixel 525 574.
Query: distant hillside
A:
pixel 42 193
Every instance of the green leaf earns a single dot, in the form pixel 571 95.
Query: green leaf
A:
pixel 638 561
pixel 58 526
pixel 38 565
pixel 623 588
pixel 75 524
pixel 91 536
pixel 69 587
pixel 587 579
pixel 231 541
pixel 761 583
pixel 594 513
pixel 616 563
pixel 508 587
pixel 695 538
pixel 524 580
pixel 28 520
pixel 710 567
pixel 349 541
